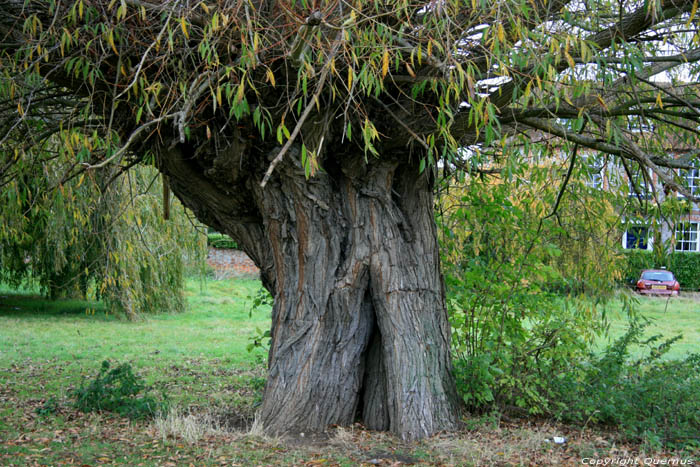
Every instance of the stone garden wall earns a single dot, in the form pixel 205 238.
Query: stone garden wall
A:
pixel 231 263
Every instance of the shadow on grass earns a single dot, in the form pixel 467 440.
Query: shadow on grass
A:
pixel 33 306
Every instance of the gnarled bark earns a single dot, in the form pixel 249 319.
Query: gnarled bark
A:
pixel 359 327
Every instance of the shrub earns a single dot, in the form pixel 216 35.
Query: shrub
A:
pixel 117 390
pixel 218 240
pixel 49 407
pixel 513 276
pixel 686 267
pixel 649 400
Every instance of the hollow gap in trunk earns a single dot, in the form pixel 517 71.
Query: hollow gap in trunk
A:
pixel 372 407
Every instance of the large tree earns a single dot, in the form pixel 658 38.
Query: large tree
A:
pixel 312 131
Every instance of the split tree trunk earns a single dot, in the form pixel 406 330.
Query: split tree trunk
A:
pixel 359 326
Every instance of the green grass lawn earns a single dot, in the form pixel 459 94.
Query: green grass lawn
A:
pixel 199 360
pixel 669 318
pixel 76 336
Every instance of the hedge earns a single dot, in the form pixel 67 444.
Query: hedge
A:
pixel 217 240
pixel 684 265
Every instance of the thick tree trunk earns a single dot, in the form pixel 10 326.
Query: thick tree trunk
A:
pixel 359 324
pixel 359 327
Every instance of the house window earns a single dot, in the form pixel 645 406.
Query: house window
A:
pixel 639 124
pixel 687 236
pixel 637 237
pixel 595 180
pixel 692 180
pixel 593 165
pixel 642 183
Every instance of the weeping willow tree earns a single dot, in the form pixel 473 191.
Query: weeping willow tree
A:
pixel 96 236
pixel 310 131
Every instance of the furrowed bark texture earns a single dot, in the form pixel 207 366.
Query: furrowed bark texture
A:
pixel 359 327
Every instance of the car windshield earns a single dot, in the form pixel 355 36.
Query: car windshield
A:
pixel 657 276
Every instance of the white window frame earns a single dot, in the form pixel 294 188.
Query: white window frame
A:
pixel 645 188
pixel 692 178
pixel 639 124
pixel 594 165
pixel 690 237
pixel 595 180
pixel 649 239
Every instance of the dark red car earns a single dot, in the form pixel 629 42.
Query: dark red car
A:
pixel 658 282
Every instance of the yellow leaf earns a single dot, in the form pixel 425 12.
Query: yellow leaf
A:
pixel 350 75
pixel 693 11
pixel 659 102
pixel 501 33
pixel 410 71
pixel 110 40
pixel 271 77
pixel 602 102
pixel 569 59
pixel 385 63
pixel 183 26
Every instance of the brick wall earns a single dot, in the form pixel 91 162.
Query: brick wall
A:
pixel 231 263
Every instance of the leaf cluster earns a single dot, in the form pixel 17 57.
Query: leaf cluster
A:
pixel 519 277
pixel 117 390
pixel 436 77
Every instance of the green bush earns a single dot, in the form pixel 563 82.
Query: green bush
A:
pixel 684 265
pixel 50 407
pixel 636 262
pixel 117 390
pixel 217 240
pixel 648 400
pixel 514 279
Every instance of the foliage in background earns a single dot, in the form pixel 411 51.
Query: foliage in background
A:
pixel 514 275
pixel 117 390
pixel 648 399
pixel 526 294
pixel 97 236
pixel 219 240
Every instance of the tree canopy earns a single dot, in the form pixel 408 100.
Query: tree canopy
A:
pixel 441 75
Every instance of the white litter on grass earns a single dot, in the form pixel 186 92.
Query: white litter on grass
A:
pixel 556 440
